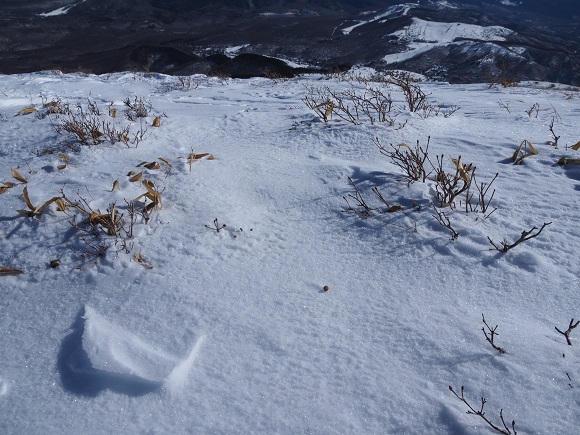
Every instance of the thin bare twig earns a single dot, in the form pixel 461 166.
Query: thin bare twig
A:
pixel 472 411
pixel 491 336
pixel 568 331
pixel 526 235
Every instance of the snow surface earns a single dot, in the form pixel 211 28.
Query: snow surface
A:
pixel 231 331
pixel 422 36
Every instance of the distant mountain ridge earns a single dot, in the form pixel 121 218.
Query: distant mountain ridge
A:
pixel 445 40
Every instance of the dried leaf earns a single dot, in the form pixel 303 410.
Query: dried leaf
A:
pixel 63 157
pixel 531 148
pixel 115 186
pixel 46 204
pixel 61 167
pixel 329 110
pixel 156 121
pixel 564 161
pixel 463 170
pixel 17 176
pixel 576 146
pixel 517 153
pixel 6 271
pixel 27 199
pixel 162 160
pixel 3 189
pixel 394 208
pixel 113 112
pixel 196 157
pixel 142 261
pixel 55 263
pixel 153 166
pixel 136 177
pixel 27 111
pixel 60 204
pixel 8 184
pixel 124 138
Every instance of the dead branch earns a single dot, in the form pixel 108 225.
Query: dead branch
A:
pixel 526 235
pixel 568 331
pixel 445 222
pixel 491 335
pixel 555 138
pixel 411 161
pixel 472 411
pixel 363 211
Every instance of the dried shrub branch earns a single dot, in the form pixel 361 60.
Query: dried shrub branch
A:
pixel 412 162
pixel 491 336
pixel 526 235
pixel 481 413
pixel 568 331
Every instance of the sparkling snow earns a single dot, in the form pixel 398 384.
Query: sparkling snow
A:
pixel 231 331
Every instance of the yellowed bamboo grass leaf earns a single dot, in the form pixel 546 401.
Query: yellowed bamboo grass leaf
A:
pixel 162 160
pixel 116 186
pixel 463 170
pixel 46 204
pixel 193 157
pixel 516 154
pixel 329 110
pixel 64 159
pixel 564 161
pixel 8 184
pixel 525 149
pixel 27 199
pixel 136 177
pixel 18 176
pixel 60 204
pixel 150 165
pixel 576 146
pixel 156 121
pixel 3 189
pixel 34 210
pixel 7 271
pixel 27 111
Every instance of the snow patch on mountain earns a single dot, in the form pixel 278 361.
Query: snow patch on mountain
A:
pixel 61 11
pixel 422 36
pixel 393 11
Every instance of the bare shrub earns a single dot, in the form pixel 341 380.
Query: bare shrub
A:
pixel 412 162
pixel 449 185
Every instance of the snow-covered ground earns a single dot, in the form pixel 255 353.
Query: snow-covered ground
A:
pixel 186 329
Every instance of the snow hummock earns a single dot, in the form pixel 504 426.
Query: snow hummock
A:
pixel 422 36
pixel 231 330
pixel 61 11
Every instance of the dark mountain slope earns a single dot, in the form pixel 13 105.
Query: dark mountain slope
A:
pixel 177 36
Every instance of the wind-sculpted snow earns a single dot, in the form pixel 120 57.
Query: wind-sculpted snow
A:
pixel 252 300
